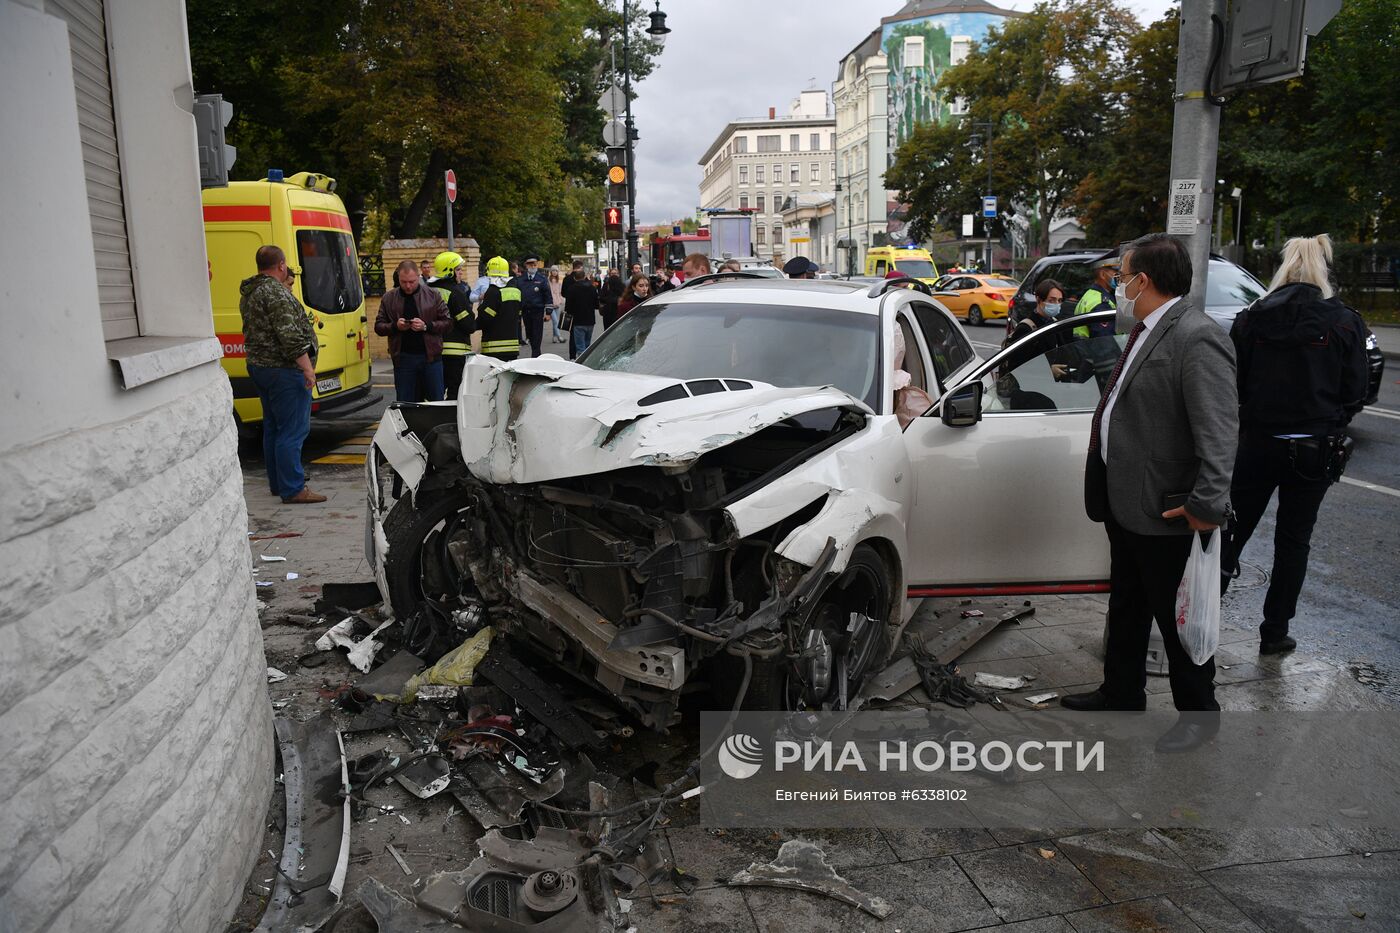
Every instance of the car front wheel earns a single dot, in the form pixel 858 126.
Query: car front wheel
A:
pixel 842 640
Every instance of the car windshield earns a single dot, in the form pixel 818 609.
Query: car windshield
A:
pixel 916 268
pixel 1228 284
pixel 330 275
pixel 778 344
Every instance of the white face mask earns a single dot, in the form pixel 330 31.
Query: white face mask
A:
pixel 1125 320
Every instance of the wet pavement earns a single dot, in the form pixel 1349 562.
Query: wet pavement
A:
pixel 1324 879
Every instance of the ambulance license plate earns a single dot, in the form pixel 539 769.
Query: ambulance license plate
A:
pixel 331 384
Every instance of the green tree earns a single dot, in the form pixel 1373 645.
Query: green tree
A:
pixel 1043 81
pixel 1125 195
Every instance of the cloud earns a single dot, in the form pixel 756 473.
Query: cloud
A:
pixel 726 60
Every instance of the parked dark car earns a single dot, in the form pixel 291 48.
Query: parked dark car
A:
pixel 1229 288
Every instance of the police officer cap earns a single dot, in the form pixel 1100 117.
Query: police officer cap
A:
pixel 1108 260
pixel 798 266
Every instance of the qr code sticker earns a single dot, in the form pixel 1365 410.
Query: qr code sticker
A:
pixel 1183 205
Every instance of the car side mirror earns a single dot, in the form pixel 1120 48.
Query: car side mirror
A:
pixel 963 406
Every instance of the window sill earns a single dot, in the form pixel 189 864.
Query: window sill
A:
pixel 141 360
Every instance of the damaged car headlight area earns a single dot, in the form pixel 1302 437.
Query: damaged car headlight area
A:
pixel 633 580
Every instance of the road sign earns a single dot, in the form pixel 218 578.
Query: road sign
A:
pixel 1185 204
pixel 989 207
pixel 613 100
pixel 451 187
pixel 1267 41
pixel 614 133
pixel 612 224
pixel 967 225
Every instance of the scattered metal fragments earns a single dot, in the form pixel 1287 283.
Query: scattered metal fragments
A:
pixel 275 676
pixel 537 697
pixel 362 650
pixel 803 865
pixel 1038 700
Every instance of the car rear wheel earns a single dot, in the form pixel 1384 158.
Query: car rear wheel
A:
pixel 840 642
pixel 974 316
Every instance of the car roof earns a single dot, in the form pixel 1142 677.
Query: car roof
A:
pixel 837 294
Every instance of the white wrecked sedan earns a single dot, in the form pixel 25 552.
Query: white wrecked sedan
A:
pixel 720 492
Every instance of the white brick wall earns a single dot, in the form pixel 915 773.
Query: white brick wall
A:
pixel 137 741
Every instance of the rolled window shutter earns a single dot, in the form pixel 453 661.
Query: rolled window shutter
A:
pixel 97 127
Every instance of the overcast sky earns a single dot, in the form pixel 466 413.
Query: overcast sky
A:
pixel 730 59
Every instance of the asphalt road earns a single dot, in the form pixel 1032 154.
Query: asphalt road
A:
pixel 1348 610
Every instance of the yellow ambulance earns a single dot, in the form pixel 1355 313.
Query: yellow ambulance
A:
pixel 913 262
pixel 301 214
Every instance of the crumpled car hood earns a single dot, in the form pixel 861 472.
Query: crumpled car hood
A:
pixel 543 419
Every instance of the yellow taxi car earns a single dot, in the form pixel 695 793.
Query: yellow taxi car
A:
pixel 976 298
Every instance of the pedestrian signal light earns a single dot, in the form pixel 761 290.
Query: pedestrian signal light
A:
pixel 612 223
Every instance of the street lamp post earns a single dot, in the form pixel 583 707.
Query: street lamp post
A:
pixel 850 238
pixel 986 157
pixel 657 30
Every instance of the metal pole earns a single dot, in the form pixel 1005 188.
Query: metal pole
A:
pixel 450 244
pixel 627 126
pixel 1239 212
pixel 987 221
pixel 1195 135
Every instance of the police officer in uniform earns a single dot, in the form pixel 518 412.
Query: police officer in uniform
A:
pixel 1098 297
pixel 448 269
pixel 498 315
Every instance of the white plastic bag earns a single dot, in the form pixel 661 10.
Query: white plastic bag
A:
pixel 1198 600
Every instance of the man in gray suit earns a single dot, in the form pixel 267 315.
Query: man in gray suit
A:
pixel 1160 459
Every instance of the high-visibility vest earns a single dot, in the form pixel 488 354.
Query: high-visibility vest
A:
pixel 1090 301
pixel 500 321
pixel 458 341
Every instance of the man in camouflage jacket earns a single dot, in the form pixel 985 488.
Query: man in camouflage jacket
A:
pixel 280 345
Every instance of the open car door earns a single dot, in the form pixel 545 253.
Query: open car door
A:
pixel 999 472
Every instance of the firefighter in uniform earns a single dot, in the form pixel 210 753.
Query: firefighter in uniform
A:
pixel 498 315
pixel 457 345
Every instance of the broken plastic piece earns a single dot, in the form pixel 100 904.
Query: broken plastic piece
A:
pixel 275 676
pixel 972 613
pixel 1041 698
pixel 361 652
pixel 425 778
pixel 999 682
pixel 271 558
pixel 293 576
pixel 803 865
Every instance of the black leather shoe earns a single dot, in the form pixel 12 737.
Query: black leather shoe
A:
pixel 1192 730
pixel 1098 701
pixel 1281 646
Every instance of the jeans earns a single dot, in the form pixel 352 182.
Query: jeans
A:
pixel 417 380
pixel 534 328
pixel 1262 465
pixel 554 313
pixel 1146 570
pixel 286 405
pixel 583 336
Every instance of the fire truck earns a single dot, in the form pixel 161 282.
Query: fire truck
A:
pixel 675 246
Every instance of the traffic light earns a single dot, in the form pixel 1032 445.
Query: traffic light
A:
pixel 211 114
pixel 612 223
pixel 617 175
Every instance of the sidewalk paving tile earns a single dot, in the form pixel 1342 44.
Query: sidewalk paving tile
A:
pixel 1020 883
pixel 1129 864
pixel 1156 914
pixel 706 910
pixel 1212 911
pixel 1324 894
pixel 710 856
pixel 1204 850
pixel 1038 925
pixel 911 845
pixel 1008 641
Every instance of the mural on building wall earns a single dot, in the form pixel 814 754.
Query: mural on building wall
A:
pixel 912 97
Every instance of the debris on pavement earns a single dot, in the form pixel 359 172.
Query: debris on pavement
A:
pixel 275 676
pixel 1046 853
pixel 456 668
pixel 343 598
pixel 399 858
pixel 362 650
pixel 803 865
pixel 271 558
pixel 1039 700
pixel 1000 682
pixel 943 683
pixel 972 613
pixel 280 534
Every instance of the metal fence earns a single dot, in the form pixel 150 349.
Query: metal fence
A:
pixel 372 275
